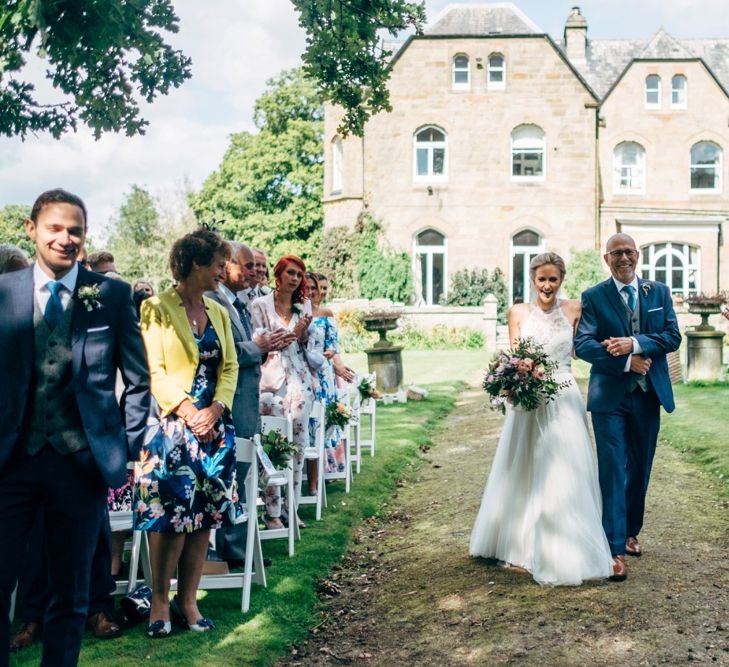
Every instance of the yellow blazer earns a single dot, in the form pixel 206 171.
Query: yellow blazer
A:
pixel 172 352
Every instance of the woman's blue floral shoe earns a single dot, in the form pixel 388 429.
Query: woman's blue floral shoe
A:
pixel 159 629
pixel 201 625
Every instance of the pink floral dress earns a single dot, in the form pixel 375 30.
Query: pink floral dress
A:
pixel 286 389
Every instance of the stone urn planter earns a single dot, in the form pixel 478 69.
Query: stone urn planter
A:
pixel 384 359
pixel 704 344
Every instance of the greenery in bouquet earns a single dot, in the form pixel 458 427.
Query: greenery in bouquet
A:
pixel 338 414
pixel 523 377
pixel 278 448
pixel 367 389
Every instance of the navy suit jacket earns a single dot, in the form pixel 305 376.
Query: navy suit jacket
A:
pixel 245 411
pixel 603 316
pixel 103 340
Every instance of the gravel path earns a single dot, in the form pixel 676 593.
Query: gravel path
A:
pixel 410 594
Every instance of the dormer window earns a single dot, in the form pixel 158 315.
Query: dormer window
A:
pixel 461 72
pixel 653 91
pixel 496 75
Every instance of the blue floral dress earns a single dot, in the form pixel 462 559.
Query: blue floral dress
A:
pixel 183 485
pixel 323 336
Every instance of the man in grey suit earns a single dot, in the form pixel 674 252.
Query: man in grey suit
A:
pixel 240 273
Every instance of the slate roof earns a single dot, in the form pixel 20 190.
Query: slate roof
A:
pixel 503 18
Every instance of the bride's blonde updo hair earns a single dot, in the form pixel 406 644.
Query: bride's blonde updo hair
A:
pixel 547 258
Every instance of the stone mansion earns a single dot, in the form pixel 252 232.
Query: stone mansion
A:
pixel 503 143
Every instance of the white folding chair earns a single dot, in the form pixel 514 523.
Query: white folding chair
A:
pixel 253 570
pixel 345 474
pixel 352 399
pixel 284 426
pixel 316 453
pixel 368 408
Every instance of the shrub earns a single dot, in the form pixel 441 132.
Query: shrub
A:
pixel 469 288
pixel 335 258
pixel 585 269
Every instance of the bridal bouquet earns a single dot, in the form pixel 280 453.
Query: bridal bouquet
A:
pixel 522 377
pixel 338 414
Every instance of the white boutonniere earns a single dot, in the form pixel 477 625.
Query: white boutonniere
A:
pixel 89 295
pixel 646 287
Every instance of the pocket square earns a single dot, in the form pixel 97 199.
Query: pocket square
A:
pixel 653 310
pixel 95 329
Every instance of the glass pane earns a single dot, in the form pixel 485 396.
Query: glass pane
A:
pixel 703 178
pixel 527 163
pixel 496 76
pixel 629 153
pixel 438 260
pixel 431 237
pixel 661 275
pixel 661 261
pixel 526 238
pixel 460 76
pixel 430 134
pixel 439 161
pixel 659 246
pixel 652 82
pixel 461 62
pixel 651 96
pixel 692 254
pixel 422 158
pixel 645 273
pixel 678 82
pixel 424 275
pixel 704 153
pixel 517 280
pixel 496 61
pixel 677 279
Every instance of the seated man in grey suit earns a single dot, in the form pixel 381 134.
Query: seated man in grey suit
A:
pixel 240 273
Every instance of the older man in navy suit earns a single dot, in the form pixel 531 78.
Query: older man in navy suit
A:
pixel 65 332
pixel 628 326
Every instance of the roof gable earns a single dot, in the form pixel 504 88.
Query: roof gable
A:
pixel 664 47
pixel 498 18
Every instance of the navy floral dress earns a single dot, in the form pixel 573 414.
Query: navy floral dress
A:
pixel 183 485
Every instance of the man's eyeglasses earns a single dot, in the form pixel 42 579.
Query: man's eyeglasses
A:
pixel 630 254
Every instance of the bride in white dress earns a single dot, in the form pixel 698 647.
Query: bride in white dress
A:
pixel 542 509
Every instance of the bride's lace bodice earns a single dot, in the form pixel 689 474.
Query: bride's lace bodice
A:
pixel 552 330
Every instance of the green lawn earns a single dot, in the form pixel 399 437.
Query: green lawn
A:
pixel 283 612
pixel 699 425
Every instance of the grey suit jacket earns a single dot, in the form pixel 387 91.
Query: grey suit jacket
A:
pixel 245 411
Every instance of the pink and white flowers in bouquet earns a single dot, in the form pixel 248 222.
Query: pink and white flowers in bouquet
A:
pixel 522 377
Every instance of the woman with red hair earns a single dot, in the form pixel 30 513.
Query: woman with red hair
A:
pixel 286 380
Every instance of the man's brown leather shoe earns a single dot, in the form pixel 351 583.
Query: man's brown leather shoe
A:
pixel 632 547
pixel 103 627
pixel 620 569
pixel 29 634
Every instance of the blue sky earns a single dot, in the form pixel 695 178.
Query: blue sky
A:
pixel 236 45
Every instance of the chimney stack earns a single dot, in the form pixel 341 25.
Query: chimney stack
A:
pixel 575 36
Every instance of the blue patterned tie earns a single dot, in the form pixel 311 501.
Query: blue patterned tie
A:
pixel 54 307
pixel 243 316
pixel 629 290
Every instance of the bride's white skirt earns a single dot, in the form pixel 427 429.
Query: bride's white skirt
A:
pixel 542 508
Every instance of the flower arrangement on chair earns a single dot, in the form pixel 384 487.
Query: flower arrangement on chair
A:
pixel 278 449
pixel 338 414
pixel 367 389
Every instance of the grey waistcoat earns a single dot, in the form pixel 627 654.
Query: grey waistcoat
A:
pixel 53 416
pixel 636 380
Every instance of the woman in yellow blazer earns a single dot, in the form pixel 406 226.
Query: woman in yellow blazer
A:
pixel 185 478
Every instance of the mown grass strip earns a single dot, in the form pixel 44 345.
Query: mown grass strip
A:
pixel 699 426
pixel 283 612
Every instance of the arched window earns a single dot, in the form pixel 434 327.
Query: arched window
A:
pixel 431 266
pixel 430 157
pixel 461 72
pixel 337 165
pixel 527 153
pixel 653 91
pixel 705 167
pixel 496 73
pixel 679 89
pixel 525 245
pixel 677 265
pixel 629 168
